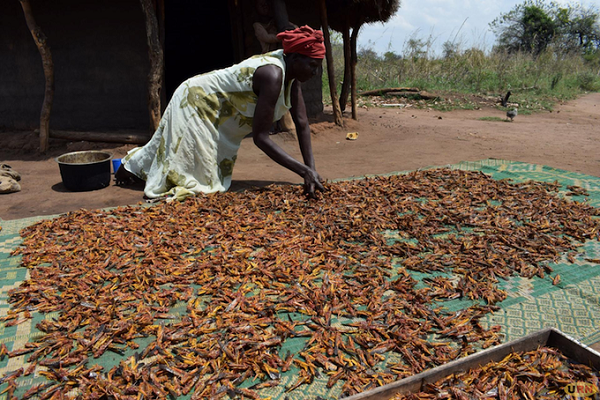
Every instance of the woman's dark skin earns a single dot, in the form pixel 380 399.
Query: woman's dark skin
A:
pixel 266 83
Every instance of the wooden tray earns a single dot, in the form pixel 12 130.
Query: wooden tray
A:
pixel 550 337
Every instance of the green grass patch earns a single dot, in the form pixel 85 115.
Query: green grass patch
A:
pixel 495 119
pixel 468 79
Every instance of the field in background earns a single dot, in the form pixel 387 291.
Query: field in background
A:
pixel 460 77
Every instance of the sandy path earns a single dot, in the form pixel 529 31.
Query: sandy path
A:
pixel 390 139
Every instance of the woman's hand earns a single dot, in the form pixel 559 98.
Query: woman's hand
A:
pixel 312 183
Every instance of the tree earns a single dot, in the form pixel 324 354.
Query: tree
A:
pixel 391 56
pixel 368 54
pixel 528 27
pixel 581 28
pixel 450 49
pixel 535 25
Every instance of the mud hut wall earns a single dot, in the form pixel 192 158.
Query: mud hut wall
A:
pixel 100 58
pixel 101 62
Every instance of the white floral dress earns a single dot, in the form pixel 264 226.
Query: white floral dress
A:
pixel 195 146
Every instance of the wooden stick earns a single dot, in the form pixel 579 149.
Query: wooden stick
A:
pixel 416 96
pixel 129 138
pixel 379 92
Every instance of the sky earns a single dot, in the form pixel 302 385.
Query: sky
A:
pixel 465 22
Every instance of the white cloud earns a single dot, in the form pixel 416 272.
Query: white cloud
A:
pixel 439 20
pixel 466 21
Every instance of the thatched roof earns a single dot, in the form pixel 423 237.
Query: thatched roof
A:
pixel 354 13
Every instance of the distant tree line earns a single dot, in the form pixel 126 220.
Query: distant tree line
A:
pixel 530 27
pixel 544 50
pixel 536 25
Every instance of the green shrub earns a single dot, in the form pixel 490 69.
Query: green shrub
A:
pixel 588 81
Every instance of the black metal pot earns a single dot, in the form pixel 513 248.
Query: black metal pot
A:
pixel 85 170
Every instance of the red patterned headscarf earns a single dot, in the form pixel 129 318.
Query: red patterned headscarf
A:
pixel 304 40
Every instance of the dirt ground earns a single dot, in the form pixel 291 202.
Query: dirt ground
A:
pixel 389 139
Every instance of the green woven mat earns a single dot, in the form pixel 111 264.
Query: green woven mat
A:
pixel 573 306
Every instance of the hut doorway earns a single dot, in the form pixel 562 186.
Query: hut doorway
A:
pixel 198 39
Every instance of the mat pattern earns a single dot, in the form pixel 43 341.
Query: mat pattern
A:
pixel 573 306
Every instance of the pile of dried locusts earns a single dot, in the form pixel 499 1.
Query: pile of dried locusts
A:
pixel 260 269
pixel 541 374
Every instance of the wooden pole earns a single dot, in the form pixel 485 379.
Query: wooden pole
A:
pixel 354 61
pixel 381 92
pixel 347 66
pixel 161 29
pixel 337 112
pixel 41 41
pixel 155 53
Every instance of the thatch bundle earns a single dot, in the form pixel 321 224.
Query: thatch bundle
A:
pixel 353 13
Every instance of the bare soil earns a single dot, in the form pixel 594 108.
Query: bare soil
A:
pixel 389 139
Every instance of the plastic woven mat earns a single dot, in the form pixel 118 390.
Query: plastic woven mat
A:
pixel 573 306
